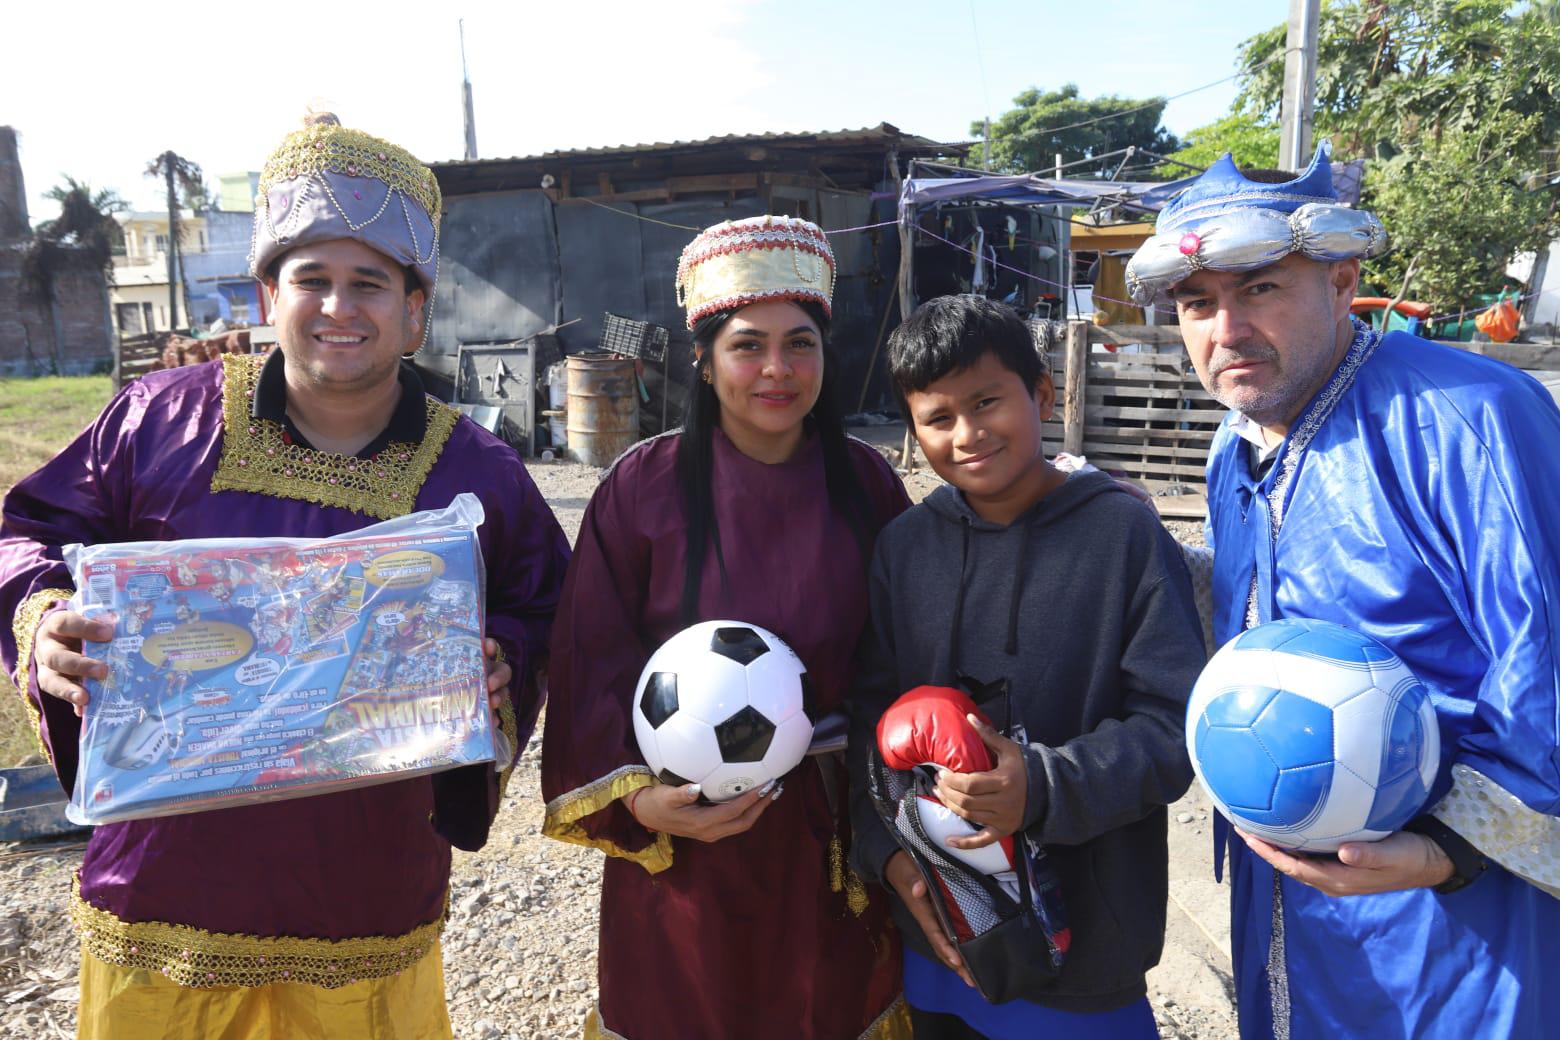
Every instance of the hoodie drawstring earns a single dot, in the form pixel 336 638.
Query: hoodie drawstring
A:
pixel 958 603
pixel 1018 591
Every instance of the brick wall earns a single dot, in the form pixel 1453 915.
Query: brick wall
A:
pixel 27 330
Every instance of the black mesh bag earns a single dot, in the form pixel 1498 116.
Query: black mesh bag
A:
pixel 1013 938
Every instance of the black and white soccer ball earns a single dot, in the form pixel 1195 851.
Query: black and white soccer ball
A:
pixel 723 704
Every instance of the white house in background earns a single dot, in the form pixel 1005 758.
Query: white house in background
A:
pixel 139 299
pixel 139 295
pixel 1541 313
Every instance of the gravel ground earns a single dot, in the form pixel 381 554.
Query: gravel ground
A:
pixel 519 949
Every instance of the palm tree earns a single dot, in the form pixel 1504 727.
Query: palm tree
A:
pixel 180 175
pixel 87 221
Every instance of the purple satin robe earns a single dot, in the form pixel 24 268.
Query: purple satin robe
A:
pixel 367 862
pixel 744 936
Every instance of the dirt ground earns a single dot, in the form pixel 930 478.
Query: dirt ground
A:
pixel 519 949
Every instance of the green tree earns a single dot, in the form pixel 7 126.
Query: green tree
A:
pixel 183 180
pixel 1043 124
pixel 1460 102
pixel 1251 139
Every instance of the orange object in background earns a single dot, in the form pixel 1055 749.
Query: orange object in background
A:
pixel 1500 322
pixel 1408 308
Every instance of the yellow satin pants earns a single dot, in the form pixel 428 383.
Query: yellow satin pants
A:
pixel 135 1004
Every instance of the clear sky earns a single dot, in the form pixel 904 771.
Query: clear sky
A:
pixel 96 90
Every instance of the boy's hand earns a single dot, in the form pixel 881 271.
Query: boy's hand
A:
pixel 907 881
pixel 994 800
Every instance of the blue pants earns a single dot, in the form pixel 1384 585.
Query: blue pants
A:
pixel 931 987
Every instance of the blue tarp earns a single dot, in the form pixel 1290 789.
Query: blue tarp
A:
pixel 1032 190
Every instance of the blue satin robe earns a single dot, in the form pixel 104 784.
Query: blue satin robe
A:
pixel 1420 502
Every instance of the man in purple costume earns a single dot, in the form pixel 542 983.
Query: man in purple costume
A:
pixel 318 916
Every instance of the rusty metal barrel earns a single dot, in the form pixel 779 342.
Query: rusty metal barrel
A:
pixel 603 406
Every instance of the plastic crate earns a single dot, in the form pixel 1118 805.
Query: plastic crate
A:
pixel 636 339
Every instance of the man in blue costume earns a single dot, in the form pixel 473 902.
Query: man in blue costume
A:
pixel 1411 492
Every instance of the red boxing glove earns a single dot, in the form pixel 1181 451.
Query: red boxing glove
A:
pixel 928 726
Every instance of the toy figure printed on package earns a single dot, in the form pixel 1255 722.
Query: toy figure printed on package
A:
pixel 251 670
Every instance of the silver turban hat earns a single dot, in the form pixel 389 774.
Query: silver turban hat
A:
pixel 1227 222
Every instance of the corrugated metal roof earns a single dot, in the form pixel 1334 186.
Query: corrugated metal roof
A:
pixel 883 133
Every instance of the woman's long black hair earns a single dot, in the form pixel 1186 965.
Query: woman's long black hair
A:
pixel 696 454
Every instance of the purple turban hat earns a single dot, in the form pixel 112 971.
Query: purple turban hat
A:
pixel 326 182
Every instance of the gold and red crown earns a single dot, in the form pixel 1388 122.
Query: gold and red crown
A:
pixel 739 262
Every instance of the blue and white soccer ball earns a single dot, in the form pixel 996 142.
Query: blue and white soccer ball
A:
pixel 1309 735
pixel 723 704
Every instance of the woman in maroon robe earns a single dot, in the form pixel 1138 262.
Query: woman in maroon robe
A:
pixel 739 919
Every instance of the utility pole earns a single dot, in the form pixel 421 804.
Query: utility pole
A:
pixel 1299 104
pixel 168 159
pixel 465 96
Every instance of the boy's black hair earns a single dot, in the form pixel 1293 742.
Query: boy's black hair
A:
pixel 951 333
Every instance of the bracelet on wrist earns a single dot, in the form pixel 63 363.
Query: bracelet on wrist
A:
pixel 628 803
pixel 1468 863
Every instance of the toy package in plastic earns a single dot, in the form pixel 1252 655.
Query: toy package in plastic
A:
pixel 245 670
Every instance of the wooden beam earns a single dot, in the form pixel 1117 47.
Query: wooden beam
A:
pixel 1170 335
pixel 712 183
pixel 643 195
pixel 906 305
pixel 1527 356
pixel 1074 396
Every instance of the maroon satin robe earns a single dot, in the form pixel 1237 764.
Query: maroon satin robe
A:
pixel 743 937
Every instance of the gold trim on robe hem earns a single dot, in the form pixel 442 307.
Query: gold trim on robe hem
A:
pixel 565 812
pixel 256 457
pixel 197 958
pixel 25 628
pixel 892 1024
pixel 1500 825
pixel 511 727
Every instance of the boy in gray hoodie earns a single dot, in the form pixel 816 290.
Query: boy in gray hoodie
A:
pixel 1072 591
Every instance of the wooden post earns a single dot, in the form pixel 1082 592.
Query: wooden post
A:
pixel 906 305
pixel 1073 404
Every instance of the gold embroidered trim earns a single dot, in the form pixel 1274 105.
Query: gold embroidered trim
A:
pixel 256 458
pixel 565 812
pixel 1500 825
pixel 511 727
pixel 842 879
pixel 197 958
pixel 326 147
pixel 25 628
pixel 892 1024
pixel 596 1029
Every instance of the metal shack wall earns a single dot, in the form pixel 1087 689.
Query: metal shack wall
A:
pixel 498 277
pixel 514 263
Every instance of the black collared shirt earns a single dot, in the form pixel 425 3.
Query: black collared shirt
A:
pixel 408 423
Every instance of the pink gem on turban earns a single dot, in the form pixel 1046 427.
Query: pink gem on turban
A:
pixel 1190 243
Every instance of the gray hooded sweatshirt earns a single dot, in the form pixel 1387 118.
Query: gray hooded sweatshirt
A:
pixel 1084 605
